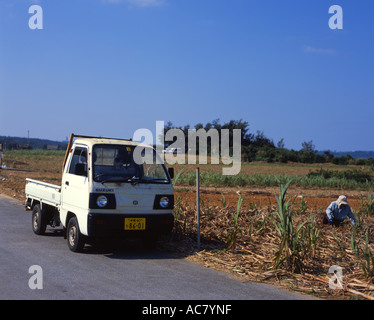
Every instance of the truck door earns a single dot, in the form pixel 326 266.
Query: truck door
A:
pixel 75 184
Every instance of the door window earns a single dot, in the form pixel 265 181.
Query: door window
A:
pixel 78 164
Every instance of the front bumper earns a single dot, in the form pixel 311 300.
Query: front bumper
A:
pixel 113 225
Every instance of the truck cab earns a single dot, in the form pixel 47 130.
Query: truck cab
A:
pixel 107 192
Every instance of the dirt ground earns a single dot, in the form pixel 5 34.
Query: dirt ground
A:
pixel 316 199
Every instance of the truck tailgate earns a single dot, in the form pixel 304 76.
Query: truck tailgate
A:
pixel 44 192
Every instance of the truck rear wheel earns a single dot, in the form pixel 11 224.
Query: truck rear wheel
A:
pixel 39 220
pixel 76 240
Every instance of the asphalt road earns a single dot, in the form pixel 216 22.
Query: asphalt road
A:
pixel 125 272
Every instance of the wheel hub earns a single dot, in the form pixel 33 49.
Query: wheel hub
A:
pixel 72 235
pixel 35 220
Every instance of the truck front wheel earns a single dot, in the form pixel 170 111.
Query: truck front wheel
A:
pixel 39 220
pixel 76 240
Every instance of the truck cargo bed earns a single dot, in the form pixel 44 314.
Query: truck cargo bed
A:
pixel 45 192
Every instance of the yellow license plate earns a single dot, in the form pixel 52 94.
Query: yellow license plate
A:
pixel 134 223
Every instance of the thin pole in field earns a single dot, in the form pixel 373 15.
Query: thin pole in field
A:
pixel 198 206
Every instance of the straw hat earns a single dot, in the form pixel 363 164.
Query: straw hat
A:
pixel 342 200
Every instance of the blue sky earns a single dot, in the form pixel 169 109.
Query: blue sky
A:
pixel 110 67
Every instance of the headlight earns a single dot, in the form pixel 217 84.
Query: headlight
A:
pixel 101 201
pixel 164 202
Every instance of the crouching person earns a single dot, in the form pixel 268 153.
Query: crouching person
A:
pixel 338 211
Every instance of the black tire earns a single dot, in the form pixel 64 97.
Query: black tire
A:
pixel 39 220
pixel 76 240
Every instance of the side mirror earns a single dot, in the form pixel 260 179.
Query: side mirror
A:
pixel 171 172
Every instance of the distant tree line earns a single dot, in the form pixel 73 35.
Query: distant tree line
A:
pixel 17 143
pixel 258 147
pixel 255 146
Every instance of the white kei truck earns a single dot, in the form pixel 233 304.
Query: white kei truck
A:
pixel 104 193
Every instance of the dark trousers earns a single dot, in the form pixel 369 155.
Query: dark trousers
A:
pixel 325 220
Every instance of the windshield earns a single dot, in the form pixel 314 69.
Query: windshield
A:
pixel 115 163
